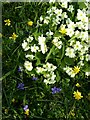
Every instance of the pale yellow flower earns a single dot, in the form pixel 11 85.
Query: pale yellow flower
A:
pixel 72 113
pixel 13 100
pixel 62 30
pixel 27 112
pixel 77 95
pixel 7 22
pixel 6 111
pixel 14 36
pixel 78 85
pixel 30 23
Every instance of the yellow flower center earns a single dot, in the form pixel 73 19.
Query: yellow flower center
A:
pixel 77 95
pixel 30 23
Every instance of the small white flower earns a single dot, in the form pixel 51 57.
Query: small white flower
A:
pixel 28 65
pixel 80 25
pixel 64 4
pixel 70 8
pixel 87 57
pixel 71 25
pixel 50 33
pixel 41 18
pixel 80 15
pixel 70 52
pixel 34 48
pixel 46 20
pixel 41 40
pixel 77 46
pixel 44 48
pixel 77 34
pixel 64 15
pixel 58 12
pixel 40 69
pixel 30 56
pixel 29 39
pixel 72 42
pixel 81 63
pixel 87 73
pixel 25 46
pixel 82 57
pixel 69 32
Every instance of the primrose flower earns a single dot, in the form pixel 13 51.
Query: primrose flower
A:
pixel 76 69
pixel 30 23
pixel 7 22
pixel 77 46
pixel 34 48
pixel 30 56
pixel 70 52
pixel 25 46
pixel 77 95
pixel 28 65
pixel 64 4
pixel 78 85
pixel 55 90
pixel 14 36
pixel 30 39
pixel 87 73
pixel 41 40
pixel 20 86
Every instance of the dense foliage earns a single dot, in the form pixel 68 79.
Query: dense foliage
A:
pixel 46 61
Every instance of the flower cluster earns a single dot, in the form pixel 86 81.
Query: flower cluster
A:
pixel 55 90
pixel 69 35
pixel 48 72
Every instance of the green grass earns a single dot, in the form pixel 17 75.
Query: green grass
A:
pixel 42 104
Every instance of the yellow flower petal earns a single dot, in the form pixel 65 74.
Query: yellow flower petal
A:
pixel 7 22
pixel 14 36
pixel 30 23
pixel 77 95
pixel 76 69
pixel 27 112
pixel 77 85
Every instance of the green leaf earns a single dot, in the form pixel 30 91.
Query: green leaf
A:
pixel 58 76
pixel 81 5
pixel 37 56
pixel 86 68
pixel 69 61
pixel 51 50
pixel 63 51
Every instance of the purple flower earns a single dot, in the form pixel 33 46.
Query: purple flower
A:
pixel 20 69
pixel 55 90
pixel 34 78
pixel 25 107
pixel 20 86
